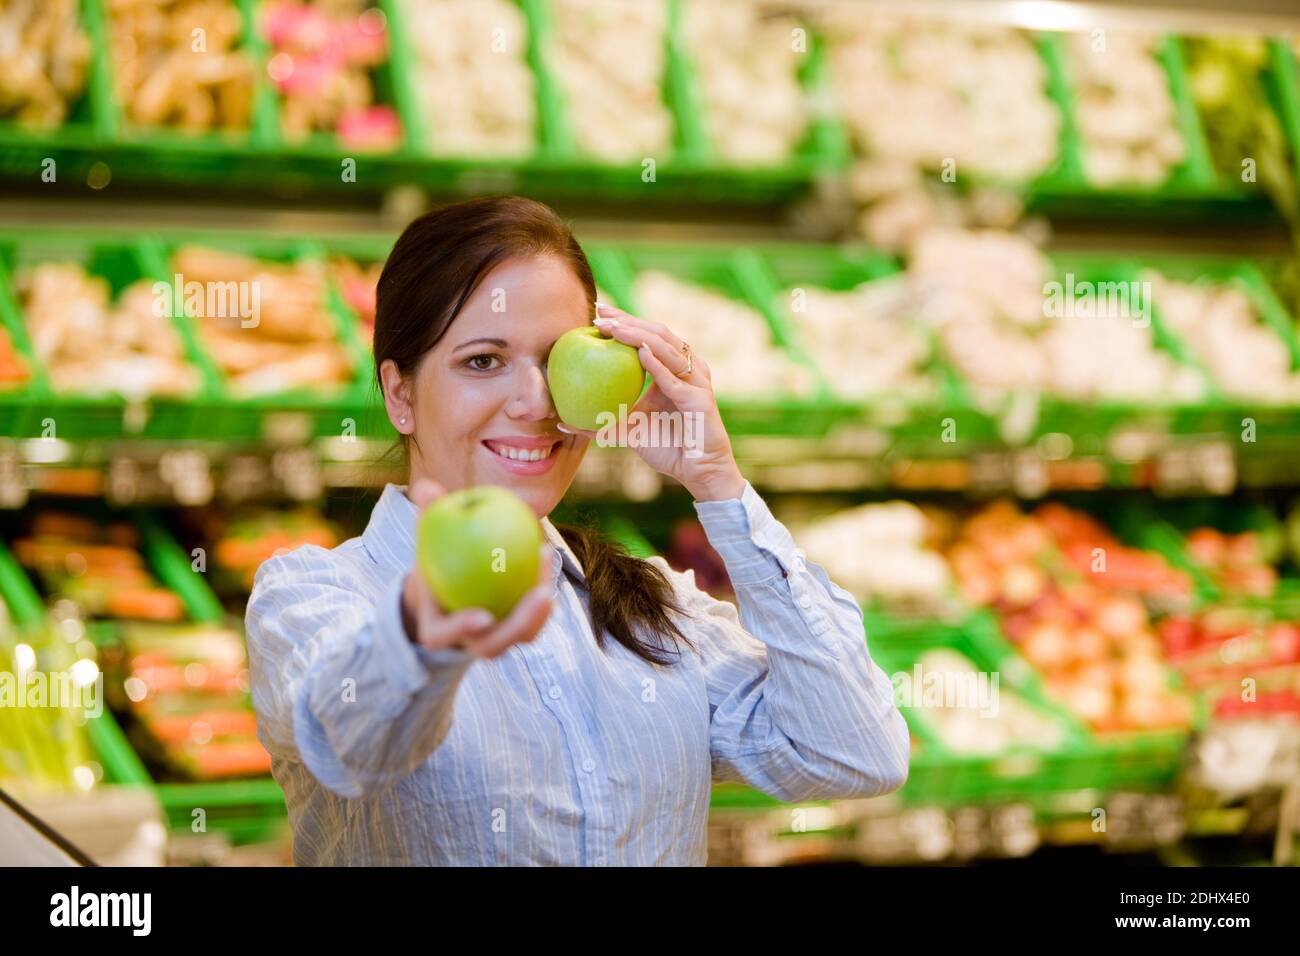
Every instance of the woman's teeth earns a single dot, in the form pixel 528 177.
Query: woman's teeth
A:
pixel 522 454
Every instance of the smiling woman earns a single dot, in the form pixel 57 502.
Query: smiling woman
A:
pixel 566 747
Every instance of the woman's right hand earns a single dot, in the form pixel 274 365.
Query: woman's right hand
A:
pixel 474 630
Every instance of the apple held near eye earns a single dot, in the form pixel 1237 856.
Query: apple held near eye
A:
pixel 479 547
pixel 589 373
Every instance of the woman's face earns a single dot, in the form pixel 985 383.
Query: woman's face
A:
pixel 478 406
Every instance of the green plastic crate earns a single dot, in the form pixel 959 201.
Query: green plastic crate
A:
pixel 737 274
pixel 77 416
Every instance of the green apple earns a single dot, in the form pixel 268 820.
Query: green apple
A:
pixel 589 374
pixel 479 547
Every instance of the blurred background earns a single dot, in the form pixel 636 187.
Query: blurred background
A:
pixel 1000 300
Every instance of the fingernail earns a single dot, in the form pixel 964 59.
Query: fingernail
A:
pixel 481 620
pixel 605 323
pixel 566 429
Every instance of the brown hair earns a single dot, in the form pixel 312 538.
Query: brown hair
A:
pixel 435 266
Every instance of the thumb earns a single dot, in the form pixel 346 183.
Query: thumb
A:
pixel 425 491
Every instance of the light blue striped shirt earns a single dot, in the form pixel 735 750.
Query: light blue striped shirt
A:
pixel 558 752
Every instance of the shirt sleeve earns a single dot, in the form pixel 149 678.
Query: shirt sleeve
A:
pixel 798 709
pixel 336 683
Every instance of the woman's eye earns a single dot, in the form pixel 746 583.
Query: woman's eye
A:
pixel 482 363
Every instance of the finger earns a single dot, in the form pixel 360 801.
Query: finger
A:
pixel 619 317
pixel 670 355
pixel 425 491
pixel 682 392
pixel 457 630
pixel 523 624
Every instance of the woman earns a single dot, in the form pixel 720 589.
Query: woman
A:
pixel 585 727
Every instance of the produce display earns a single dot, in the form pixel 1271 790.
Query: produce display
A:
pixel 743 359
pixel 44 58
pixel 181 63
pixel 476 92
pixel 91 345
pixel 987 294
pixel 1217 648
pixel 185 689
pixel 241 544
pixel 43 742
pixel 880 552
pixel 322 54
pixel 1236 564
pixel 1123 109
pixel 968 726
pixel 290 343
pixel 13 370
pixel 1245 358
pixel 923 92
pixel 864 340
pixel 1075 603
pixel 99 568
pixel 357 283
pixel 615 97
pixel 747 71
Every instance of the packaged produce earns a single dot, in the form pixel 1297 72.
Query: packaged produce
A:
pixel 97 567
pixel 291 341
pixel 185 689
pixel 864 340
pixel 1245 358
pixel 734 338
pixel 321 58
pixel 747 68
pixel 181 63
pixel 476 90
pixel 879 552
pixel 44 59
pixel 941 96
pixel 93 346
pixel 970 716
pixel 1123 109
pixel 614 98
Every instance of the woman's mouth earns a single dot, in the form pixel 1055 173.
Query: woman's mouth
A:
pixel 525 457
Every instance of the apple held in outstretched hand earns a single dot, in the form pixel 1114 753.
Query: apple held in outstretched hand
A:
pixel 479 547
pixel 589 373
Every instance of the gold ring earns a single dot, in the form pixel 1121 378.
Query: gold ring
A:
pixel 690 361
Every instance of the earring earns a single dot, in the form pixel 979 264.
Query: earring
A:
pixel 402 420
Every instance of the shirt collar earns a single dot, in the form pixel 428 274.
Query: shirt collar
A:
pixel 390 535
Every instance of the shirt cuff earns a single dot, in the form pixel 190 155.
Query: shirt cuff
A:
pixel 406 665
pixel 753 544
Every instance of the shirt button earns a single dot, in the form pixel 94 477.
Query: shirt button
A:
pixel 555 692
pixel 805 602
pixel 589 765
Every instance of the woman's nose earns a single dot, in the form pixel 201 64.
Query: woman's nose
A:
pixel 533 399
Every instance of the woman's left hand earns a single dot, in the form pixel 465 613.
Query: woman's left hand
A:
pixel 699 452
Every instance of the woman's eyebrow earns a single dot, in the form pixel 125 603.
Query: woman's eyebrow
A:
pixel 498 343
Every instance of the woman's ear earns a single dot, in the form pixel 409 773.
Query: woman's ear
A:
pixel 397 397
